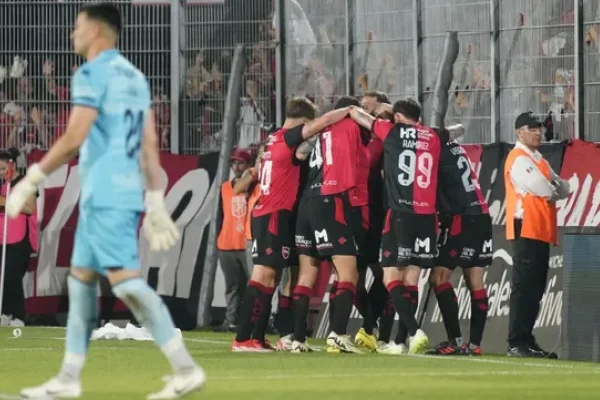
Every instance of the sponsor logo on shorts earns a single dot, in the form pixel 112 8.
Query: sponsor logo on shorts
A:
pixel 487 248
pixel 404 252
pixel 302 242
pixel 467 253
pixel 254 248
pixel 422 245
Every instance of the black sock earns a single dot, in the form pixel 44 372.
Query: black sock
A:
pixel 332 303
pixel 260 327
pixel 364 308
pixel 378 297
pixel 479 311
pixel 401 299
pixel 448 303
pixel 386 321
pixel 285 316
pixel 253 300
pixel 344 299
pixel 402 333
pixel 301 302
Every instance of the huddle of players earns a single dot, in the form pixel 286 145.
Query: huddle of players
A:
pixel 351 156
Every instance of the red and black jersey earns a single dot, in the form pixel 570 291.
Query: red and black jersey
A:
pixel 411 159
pixel 279 172
pixel 459 192
pixel 332 162
pixel 359 194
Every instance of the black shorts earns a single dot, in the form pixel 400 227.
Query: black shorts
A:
pixel 324 227
pixel 409 239
pixel 368 235
pixel 465 241
pixel 273 239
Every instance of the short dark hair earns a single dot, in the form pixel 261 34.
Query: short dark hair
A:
pixel 104 12
pixel 346 101
pixel 301 107
pixel 410 108
pixel 10 155
pixel 379 96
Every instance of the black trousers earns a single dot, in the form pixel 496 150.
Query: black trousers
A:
pixel 17 260
pixel 531 260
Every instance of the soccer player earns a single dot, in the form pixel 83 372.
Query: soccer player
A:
pixel 411 158
pixel 112 127
pixel 273 220
pixel 465 242
pixel 324 228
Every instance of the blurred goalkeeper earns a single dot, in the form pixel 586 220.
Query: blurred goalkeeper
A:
pixel 112 127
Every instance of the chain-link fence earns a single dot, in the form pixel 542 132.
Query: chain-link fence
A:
pixel 210 35
pixel 37 62
pixel 330 48
pixel 591 69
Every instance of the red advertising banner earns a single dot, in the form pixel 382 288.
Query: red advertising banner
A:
pixel 186 182
pixel 581 167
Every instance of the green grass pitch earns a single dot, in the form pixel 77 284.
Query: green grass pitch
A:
pixel 130 370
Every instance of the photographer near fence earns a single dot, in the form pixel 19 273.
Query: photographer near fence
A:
pixel 21 239
pixel 532 189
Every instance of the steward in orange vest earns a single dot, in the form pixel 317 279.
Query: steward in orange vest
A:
pixel 532 189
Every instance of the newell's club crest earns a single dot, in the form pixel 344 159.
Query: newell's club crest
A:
pixel 238 210
pixel 285 252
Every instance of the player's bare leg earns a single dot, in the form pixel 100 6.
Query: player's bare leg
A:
pixel 81 322
pixel 479 308
pixel 285 315
pixel 255 305
pixel 394 279
pixel 152 314
pixel 309 270
pixel 439 279
pixel 347 273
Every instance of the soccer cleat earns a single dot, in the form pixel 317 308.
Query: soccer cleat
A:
pixel 392 348
pixel 362 338
pixel 54 388
pixel 250 346
pixel 267 345
pixel 301 347
pixel 180 384
pixel 331 347
pixel 472 351
pixel 343 343
pixel 418 343
pixel 446 349
pixel 284 343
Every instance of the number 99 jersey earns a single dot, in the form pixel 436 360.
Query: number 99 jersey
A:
pixel 109 159
pixel 411 159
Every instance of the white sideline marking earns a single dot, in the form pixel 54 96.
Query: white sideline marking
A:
pixel 515 363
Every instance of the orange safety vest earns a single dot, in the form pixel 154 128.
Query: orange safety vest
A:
pixel 252 199
pixel 235 208
pixel 539 214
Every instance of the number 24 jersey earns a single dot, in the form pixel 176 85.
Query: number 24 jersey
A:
pixel 411 161
pixel 109 159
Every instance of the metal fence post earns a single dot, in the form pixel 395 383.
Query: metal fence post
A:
pixel 579 64
pixel 495 70
pixel 349 46
pixel 177 24
pixel 417 51
pixel 280 62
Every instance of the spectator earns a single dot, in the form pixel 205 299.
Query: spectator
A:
pixel 162 116
pixel 21 239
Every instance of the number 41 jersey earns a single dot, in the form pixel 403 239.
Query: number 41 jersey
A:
pixel 109 159
pixel 411 160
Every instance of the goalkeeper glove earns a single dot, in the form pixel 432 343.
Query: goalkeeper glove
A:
pixel 24 190
pixel 158 227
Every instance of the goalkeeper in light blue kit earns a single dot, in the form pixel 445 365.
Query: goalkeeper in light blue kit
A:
pixel 112 127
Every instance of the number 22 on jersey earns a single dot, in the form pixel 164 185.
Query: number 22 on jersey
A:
pixel 467 179
pixel 316 156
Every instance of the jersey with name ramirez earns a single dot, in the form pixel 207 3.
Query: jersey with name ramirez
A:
pixel 109 167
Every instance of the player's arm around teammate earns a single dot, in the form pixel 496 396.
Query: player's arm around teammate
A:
pixel 273 221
